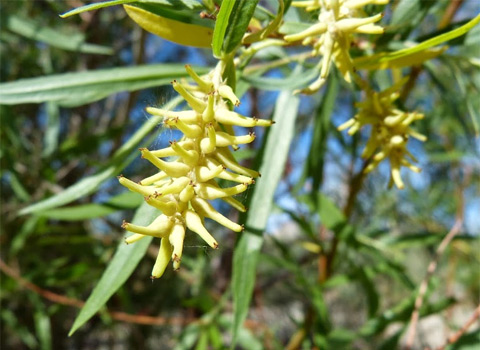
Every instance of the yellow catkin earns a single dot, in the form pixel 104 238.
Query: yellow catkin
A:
pixel 390 131
pixel 184 184
pixel 331 37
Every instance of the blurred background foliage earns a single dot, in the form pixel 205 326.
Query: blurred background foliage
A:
pixel 343 256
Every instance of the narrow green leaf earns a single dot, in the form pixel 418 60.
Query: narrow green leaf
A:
pixel 95 6
pixel 330 214
pixel 293 27
pixel 247 251
pixel 53 37
pixel 75 89
pixel 43 328
pixel 270 28
pixel 81 188
pixel 294 81
pixel 119 270
pixel 407 15
pixel 50 140
pixel 95 210
pixel 175 26
pixel 238 23
pixel 221 26
pixel 315 160
pixel 89 184
pixel 412 52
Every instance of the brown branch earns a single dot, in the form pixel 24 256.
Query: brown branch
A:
pixel 116 315
pixel 424 285
pixel 454 337
pixel 459 217
pixel 449 13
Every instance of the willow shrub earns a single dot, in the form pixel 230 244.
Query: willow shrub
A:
pixel 377 57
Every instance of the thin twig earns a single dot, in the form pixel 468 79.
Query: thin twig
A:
pixel 116 315
pixel 430 271
pixel 454 337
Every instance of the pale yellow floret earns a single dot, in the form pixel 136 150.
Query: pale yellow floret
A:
pixel 134 238
pixel 133 186
pixel 163 258
pixel 187 193
pixel 189 157
pixel 227 117
pixel 204 174
pixel 209 144
pixel 224 139
pixel 195 224
pixel 210 191
pixel 204 208
pixel 226 92
pixel 176 239
pixel 225 158
pixel 188 117
pixel 170 152
pixel 203 84
pixel 195 103
pixel 208 114
pixel 176 186
pixel 168 208
pixel 190 130
pixel 174 169
pixel 234 203
pixel 160 227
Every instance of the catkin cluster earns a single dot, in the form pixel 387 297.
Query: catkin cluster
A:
pixel 331 37
pixel 390 131
pixel 185 183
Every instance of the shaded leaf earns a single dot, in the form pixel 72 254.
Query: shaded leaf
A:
pixel 126 200
pixel 221 26
pixel 247 251
pixel 415 52
pixel 123 264
pixel 155 20
pixel 238 23
pixel 89 184
pixel 75 89
pixel 53 37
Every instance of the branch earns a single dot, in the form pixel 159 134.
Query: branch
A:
pixel 116 315
pixel 433 264
pixel 456 336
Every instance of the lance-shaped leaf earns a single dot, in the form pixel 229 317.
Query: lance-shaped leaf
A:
pixel 120 268
pixel 247 251
pixel 170 28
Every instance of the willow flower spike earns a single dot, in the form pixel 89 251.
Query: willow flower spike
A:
pixel 331 36
pixel 390 131
pixel 184 185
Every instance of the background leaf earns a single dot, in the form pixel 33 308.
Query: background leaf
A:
pixel 120 268
pixel 87 185
pixel 248 248
pixel 53 37
pixel 154 19
pixel 75 89
pixel 238 22
pixel 221 24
